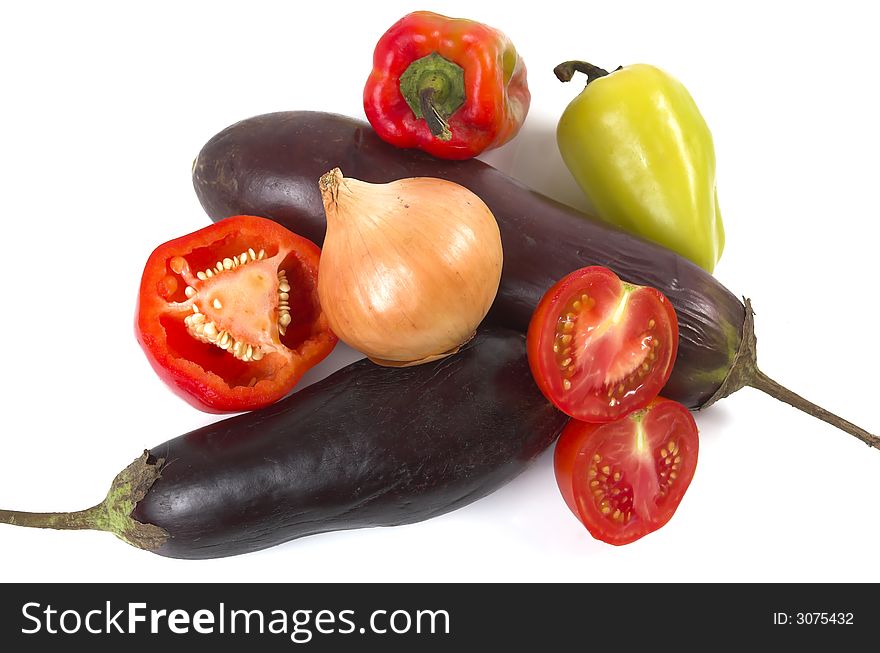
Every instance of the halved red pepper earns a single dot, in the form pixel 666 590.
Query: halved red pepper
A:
pixel 229 316
pixel 449 86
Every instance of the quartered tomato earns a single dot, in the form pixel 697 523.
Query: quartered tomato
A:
pixel 229 315
pixel 625 479
pixel 600 348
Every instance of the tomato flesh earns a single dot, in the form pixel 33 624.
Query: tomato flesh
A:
pixel 625 479
pixel 600 348
pixel 229 315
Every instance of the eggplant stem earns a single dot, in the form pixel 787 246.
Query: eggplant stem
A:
pixel 744 372
pixel 68 521
pixel 764 383
pixel 113 514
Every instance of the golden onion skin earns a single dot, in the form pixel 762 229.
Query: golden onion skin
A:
pixel 409 268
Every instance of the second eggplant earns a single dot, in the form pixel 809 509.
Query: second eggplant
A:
pixel 367 446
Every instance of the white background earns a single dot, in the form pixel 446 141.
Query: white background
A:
pixel 104 107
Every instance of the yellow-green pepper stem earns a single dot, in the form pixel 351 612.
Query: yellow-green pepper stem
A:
pixel 566 70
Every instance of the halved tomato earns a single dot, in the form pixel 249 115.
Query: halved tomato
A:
pixel 229 315
pixel 625 479
pixel 600 348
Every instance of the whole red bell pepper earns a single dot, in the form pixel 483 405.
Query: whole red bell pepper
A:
pixel 449 86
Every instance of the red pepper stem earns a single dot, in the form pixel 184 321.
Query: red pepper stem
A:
pixel 436 121
pixel 433 87
pixel 566 70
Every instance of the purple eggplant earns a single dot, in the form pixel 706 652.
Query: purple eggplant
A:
pixel 269 165
pixel 367 446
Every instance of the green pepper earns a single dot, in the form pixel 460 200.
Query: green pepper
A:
pixel 639 148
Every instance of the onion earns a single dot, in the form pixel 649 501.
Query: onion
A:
pixel 408 269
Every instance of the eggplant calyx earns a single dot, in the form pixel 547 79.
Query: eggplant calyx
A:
pixel 745 361
pixel 745 372
pixel 113 514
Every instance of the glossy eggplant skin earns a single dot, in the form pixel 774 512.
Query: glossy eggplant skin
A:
pixel 367 446
pixel 269 165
